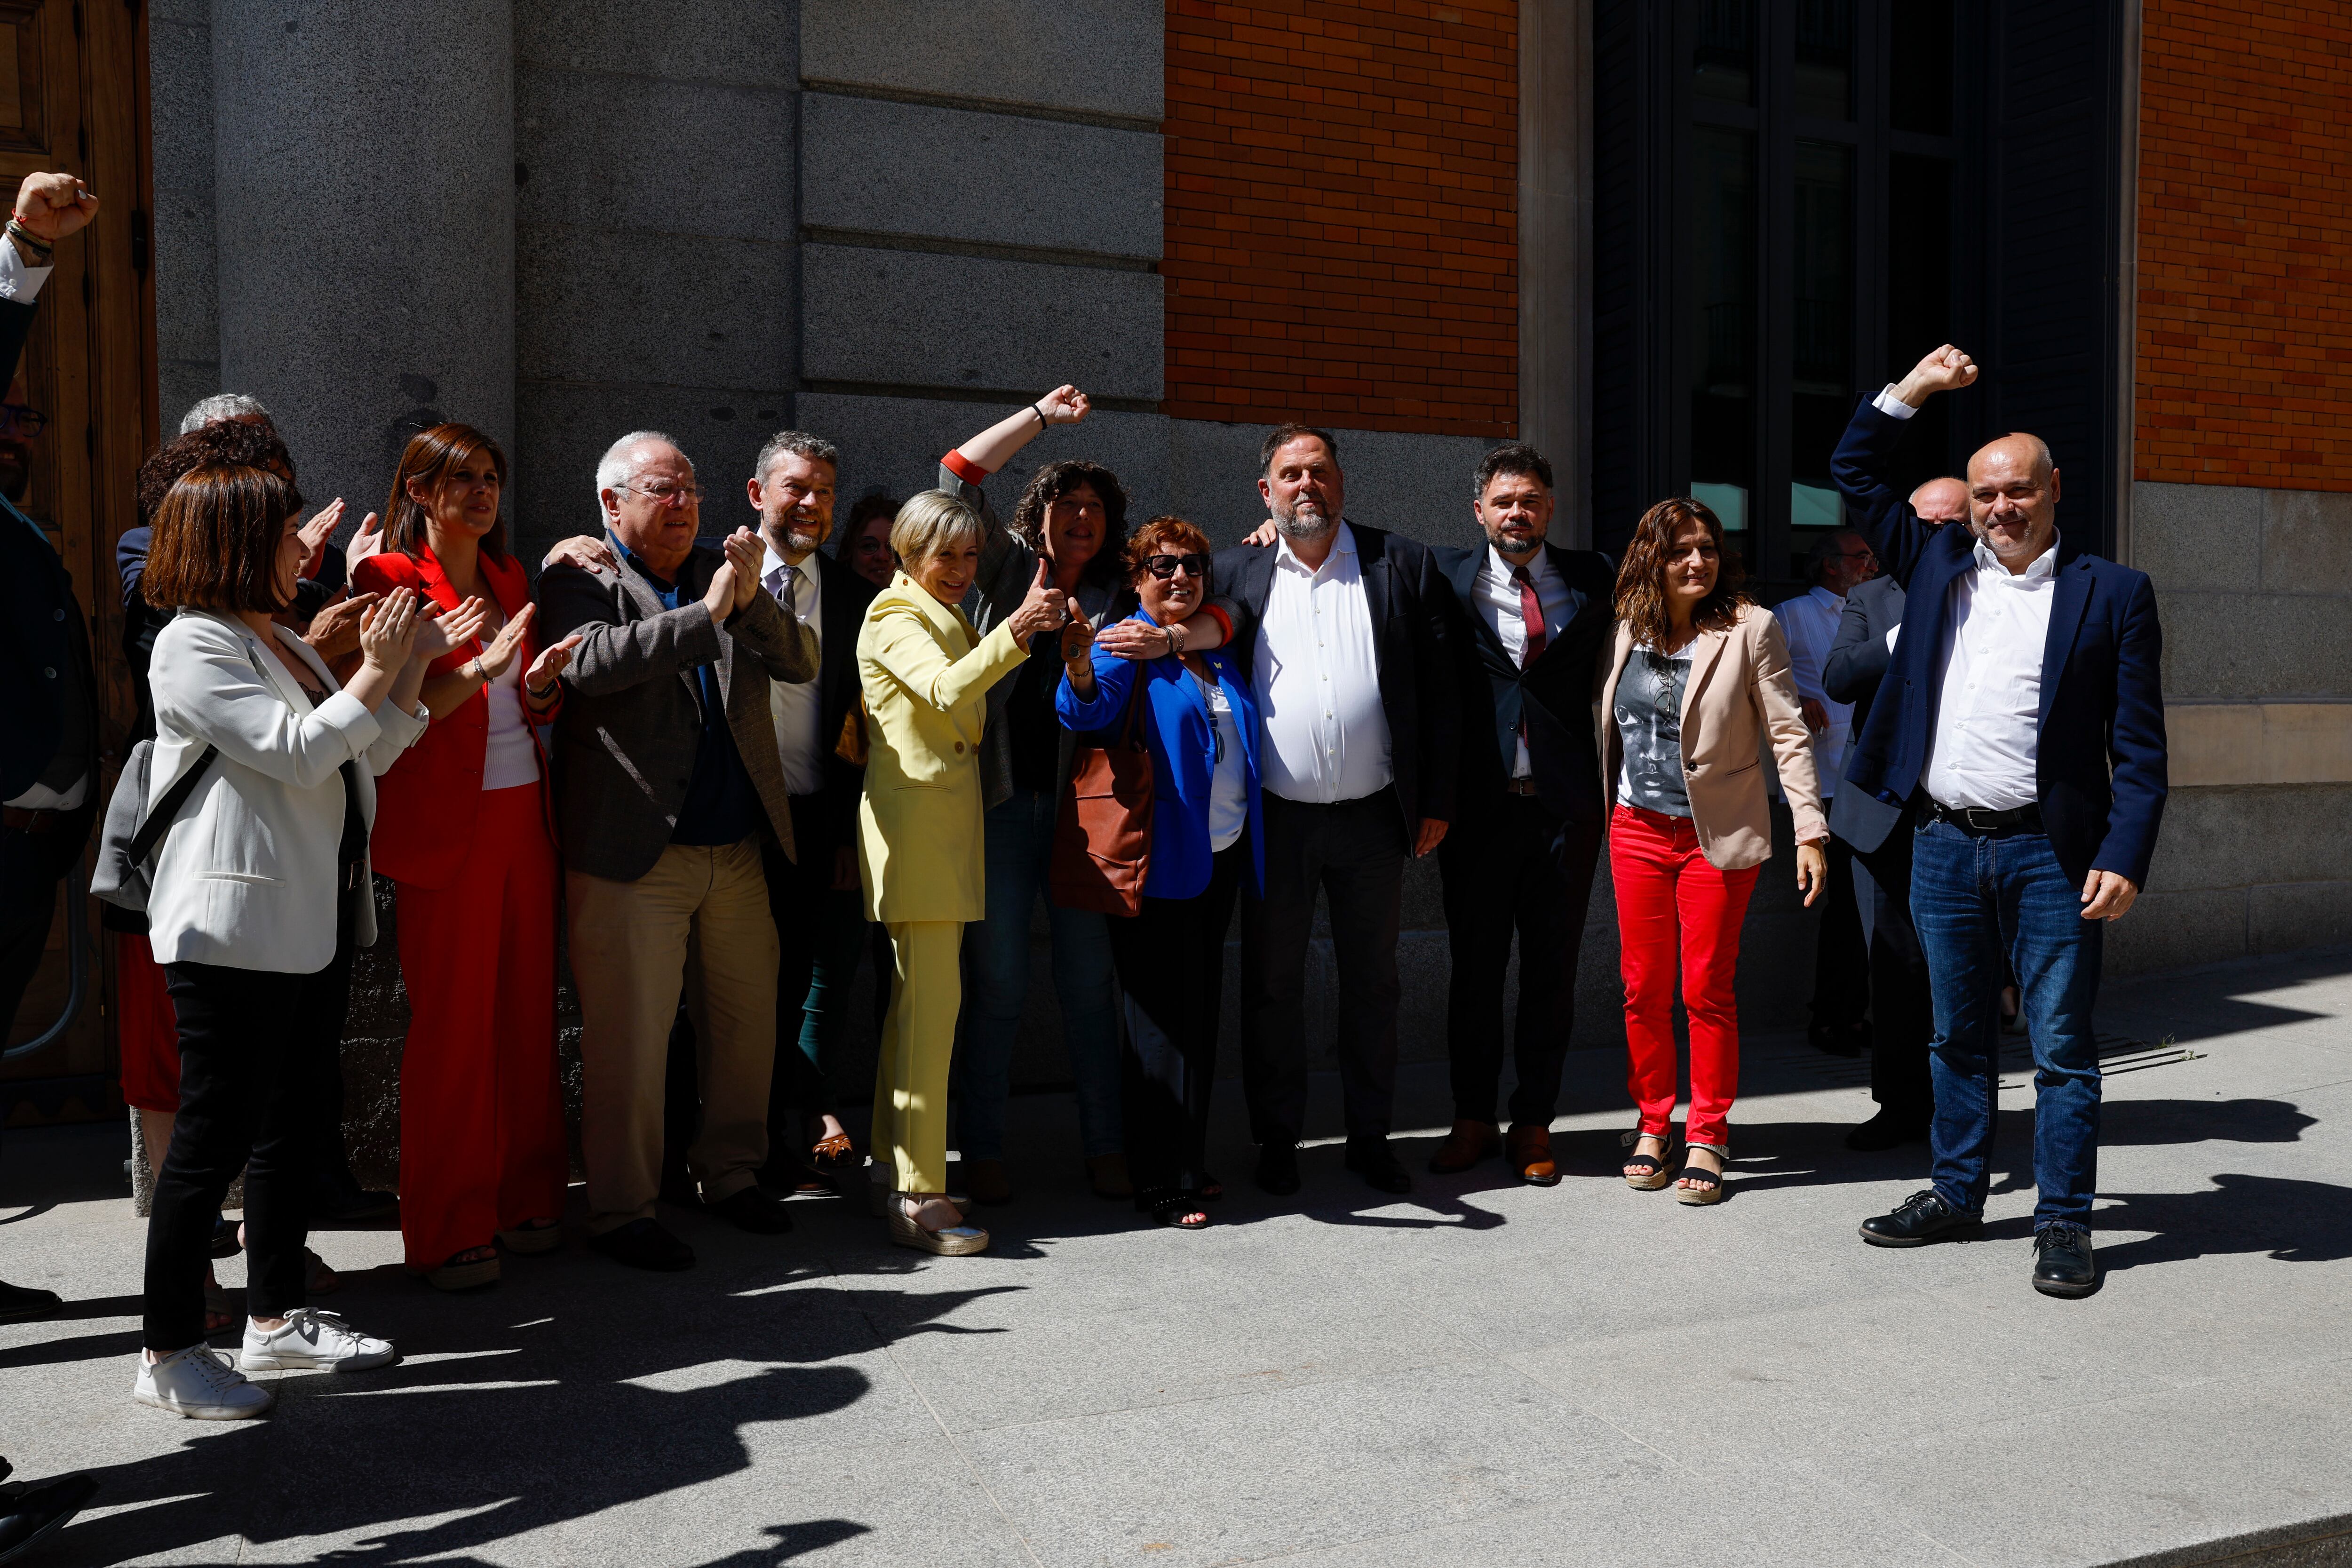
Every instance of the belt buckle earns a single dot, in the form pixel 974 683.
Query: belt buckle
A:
pixel 1968 813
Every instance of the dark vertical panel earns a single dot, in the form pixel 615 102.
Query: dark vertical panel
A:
pixel 2052 252
pixel 1619 343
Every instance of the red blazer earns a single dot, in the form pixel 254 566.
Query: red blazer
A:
pixel 427 807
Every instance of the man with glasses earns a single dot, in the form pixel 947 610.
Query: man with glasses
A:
pixel 1837 563
pixel 668 786
pixel 1528 814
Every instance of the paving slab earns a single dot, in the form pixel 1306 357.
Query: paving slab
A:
pixel 1475 1373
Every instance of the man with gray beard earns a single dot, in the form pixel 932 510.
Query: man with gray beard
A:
pixel 1347 631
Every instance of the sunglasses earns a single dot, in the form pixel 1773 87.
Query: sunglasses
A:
pixel 1164 566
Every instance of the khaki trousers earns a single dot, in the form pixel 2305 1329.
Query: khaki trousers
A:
pixel 910 1080
pixel 698 921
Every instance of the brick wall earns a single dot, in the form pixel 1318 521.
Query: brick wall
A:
pixel 1342 237
pixel 2246 245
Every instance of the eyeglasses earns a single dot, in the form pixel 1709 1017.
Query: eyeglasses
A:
pixel 18 419
pixel 661 492
pixel 1164 566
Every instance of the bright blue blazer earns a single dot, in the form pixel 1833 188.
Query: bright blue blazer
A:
pixel 1176 731
pixel 2100 761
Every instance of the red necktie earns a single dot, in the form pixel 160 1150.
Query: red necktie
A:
pixel 1530 616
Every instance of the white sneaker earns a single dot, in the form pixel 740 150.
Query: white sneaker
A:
pixel 312 1338
pixel 200 1384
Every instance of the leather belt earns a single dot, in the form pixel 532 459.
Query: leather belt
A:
pixel 1981 820
pixel 1520 786
pixel 20 820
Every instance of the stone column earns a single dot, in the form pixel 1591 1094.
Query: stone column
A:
pixel 365 181
pixel 1556 251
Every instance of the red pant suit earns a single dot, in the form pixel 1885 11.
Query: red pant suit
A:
pixel 482 1147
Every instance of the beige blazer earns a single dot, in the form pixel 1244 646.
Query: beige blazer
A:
pixel 925 675
pixel 1740 691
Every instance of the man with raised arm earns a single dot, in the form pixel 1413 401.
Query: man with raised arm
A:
pixel 2022 722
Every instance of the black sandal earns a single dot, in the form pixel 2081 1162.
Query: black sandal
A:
pixel 1654 1170
pixel 1177 1210
pixel 1710 1188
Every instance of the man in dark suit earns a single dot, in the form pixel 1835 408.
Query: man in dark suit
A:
pixel 814 894
pixel 1533 618
pixel 2023 720
pixel 1901 1017
pixel 1348 632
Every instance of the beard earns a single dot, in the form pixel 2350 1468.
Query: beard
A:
pixel 1303 523
pixel 15 471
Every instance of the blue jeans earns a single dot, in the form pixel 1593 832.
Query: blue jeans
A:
pixel 1972 898
pixel 1020 849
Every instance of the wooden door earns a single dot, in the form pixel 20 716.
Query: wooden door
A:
pixel 73 96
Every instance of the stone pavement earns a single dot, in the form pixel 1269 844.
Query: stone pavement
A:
pixel 1480 1373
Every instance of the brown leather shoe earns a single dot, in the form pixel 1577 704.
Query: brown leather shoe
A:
pixel 986 1182
pixel 1530 1156
pixel 1469 1143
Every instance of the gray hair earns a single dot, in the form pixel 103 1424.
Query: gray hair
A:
pixel 618 465
pixel 220 407
pixel 800 444
pixel 928 522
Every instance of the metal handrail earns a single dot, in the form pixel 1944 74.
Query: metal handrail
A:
pixel 77 968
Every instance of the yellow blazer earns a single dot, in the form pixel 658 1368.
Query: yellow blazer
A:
pixel 925 674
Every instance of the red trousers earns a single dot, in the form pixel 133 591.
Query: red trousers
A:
pixel 147 1031
pixel 1674 909
pixel 481 1119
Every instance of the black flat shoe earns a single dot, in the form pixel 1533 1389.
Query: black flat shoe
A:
pixel 1920 1219
pixel 18 1302
pixel 645 1243
pixel 1886 1130
pixel 2063 1263
pixel 761 1214
pixel 1381 1170
pixel 1837 1039
pixel 31 1513
pixel 340 1203
pixel 225 1241
pixel 1277 1168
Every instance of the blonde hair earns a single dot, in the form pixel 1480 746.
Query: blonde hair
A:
pixel 929 522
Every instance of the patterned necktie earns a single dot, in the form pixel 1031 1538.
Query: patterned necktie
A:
pixel 1530 616
pixel 783 585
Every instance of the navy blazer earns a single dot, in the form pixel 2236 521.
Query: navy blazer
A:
pixel 2100 757
pixel 1857 662
pixel 1180 734
pixel 1554 694
pixel 841 612
pixel 1413 621
pixel 42 629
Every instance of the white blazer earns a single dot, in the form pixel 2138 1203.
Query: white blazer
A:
pixel 245 876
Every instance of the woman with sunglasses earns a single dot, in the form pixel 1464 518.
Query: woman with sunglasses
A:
pixel 1700 677
pixel 1199 720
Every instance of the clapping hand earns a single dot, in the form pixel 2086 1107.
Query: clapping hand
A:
pixel 540 679
pixel 494 657
pixel 1946 369
pixel 451 628
pixel 335 629
pixel 388 631
pixel 747 554
pixel 315 533
pixel 367 542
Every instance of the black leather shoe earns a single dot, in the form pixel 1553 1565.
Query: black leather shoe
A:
pixel 645 1243
pixel 1920 1219
pixel 751 1209
pixel 1886 1130
pixel 18 1302
pixel 2062 1265
pixel 1380 1169
pixel 1277 1168
pixel 1837 1039
pixel 340 1203
pixel 32 1513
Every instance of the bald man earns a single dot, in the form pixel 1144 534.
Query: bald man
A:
pixel 2021 724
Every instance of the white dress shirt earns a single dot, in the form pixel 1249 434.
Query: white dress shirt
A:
pixel 1318 674
pixel 1496 594
pixel 1810 623
pixel 797 707
pixel 1989 715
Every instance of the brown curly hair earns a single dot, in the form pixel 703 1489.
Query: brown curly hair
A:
pixel 1642 580
pixel 1056 480
pixel 227 443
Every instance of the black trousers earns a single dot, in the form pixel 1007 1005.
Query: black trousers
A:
pixel 1354 852
pixel 252 1044
pixel 1171 964
pixel 1511 865
pixel 31 867
pixel 820 936
pixel 1903 1014
pixel 1841 957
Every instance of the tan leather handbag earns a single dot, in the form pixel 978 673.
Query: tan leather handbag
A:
pixel 1102 839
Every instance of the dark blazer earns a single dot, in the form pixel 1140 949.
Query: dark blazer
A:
pixel 44 636
pixel 2100 757
pixel 840 613
pixel 1413 618
pixel 1554 694
pixel 1857 662
pixel 625 744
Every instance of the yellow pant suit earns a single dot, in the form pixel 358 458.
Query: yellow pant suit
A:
pixel 925 674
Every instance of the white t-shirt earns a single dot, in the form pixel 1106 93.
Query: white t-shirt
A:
pixel 1229 786
pixel 510 761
